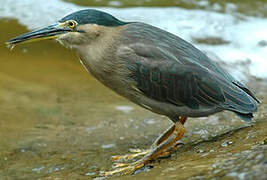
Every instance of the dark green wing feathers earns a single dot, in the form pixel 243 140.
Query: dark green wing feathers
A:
pixel 194 87
pixel 177 84
pixel 168 69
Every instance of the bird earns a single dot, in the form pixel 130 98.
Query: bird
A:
pixel 151 67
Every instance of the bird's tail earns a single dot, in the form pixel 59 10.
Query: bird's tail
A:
pixel 242 102
pixel 245 117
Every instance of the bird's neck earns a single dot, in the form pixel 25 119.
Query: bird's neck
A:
pixel 98 57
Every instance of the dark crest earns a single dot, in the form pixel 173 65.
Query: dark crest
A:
pixel 91 16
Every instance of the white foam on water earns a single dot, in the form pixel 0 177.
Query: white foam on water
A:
pixel 243 33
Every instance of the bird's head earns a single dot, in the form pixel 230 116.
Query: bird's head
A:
pixel 73 30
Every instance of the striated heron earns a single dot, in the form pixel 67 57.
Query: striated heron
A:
pixel 152 68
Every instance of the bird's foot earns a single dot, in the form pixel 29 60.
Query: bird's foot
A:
pixel 129 168
pixel 127 157
pixel 140 152
pixel 162 147
pixel 124 168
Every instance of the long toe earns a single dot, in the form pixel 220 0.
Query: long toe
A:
pixel 127 157
pixel 124 169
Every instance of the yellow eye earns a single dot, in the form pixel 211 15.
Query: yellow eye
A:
pixel 71 24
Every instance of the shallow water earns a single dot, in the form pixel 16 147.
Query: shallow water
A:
pixel 56 121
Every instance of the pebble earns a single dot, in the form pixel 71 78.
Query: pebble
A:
pixel 90 174
pixel 200 151
pixel 38 170
pixel 125 109
pixel 107 146
pixel 99 178
pixel 226 143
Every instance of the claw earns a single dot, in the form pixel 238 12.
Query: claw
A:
pixel 119 165
pixel 121 157
pixel 132 150
pixel 128 169
pixel 137 152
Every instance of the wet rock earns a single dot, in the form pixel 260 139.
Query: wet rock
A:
pixel 262 43
pixel 38 169
pixel 108 146
pixel 99 178
pixel 125 109
pixel 90 174
pixel 226 143
pixel 264 141
pixel 200 151
pixel 210 40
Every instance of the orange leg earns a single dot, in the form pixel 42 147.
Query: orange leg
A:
pixel 159 148
pixel 168 132
pixel 182 119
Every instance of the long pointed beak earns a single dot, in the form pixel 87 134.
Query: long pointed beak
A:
pixel 49 32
